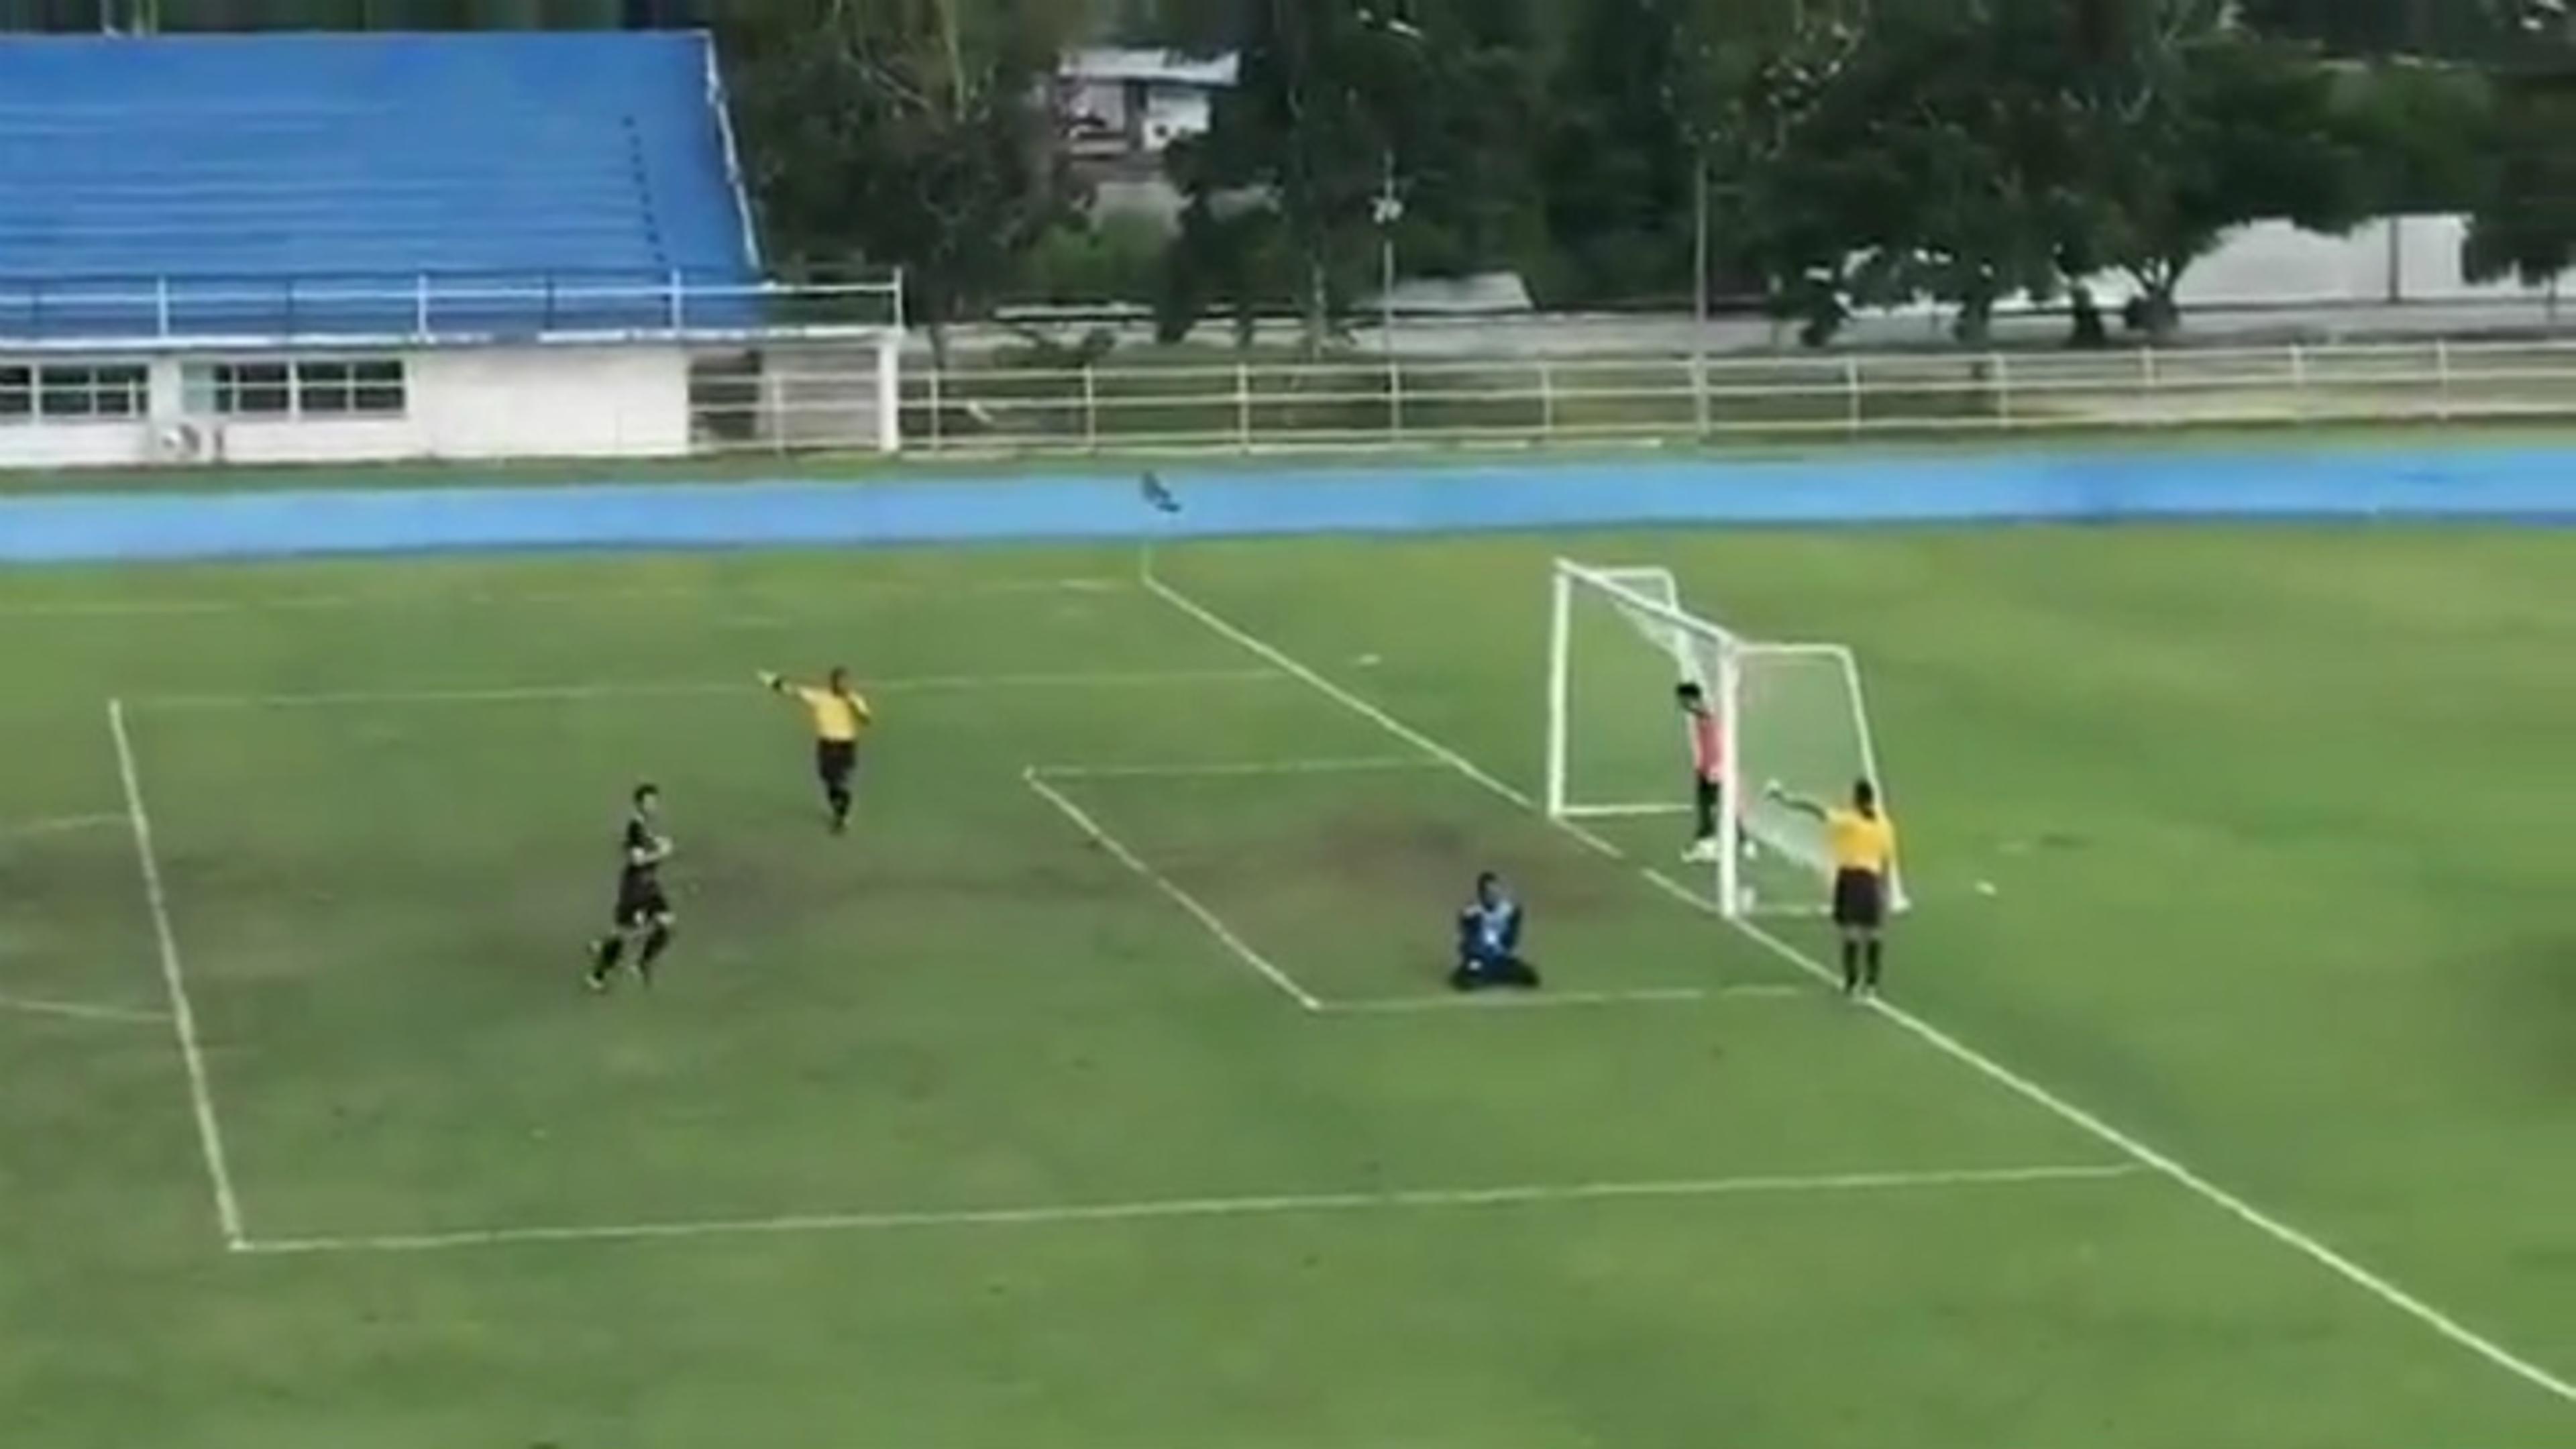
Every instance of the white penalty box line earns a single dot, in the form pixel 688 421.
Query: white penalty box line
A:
pixel 2306 1244
pixel 1042 780
pixel 136 817
pixel 1531 1195
pixel 582 690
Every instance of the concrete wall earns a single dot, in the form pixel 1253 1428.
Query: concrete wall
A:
pixel 2389 260
pixel 503 402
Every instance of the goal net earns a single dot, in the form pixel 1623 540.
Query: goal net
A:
pixel 1619 745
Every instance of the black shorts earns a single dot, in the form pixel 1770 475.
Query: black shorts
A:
pixel 834 760
pixel 1704 800
pixel 1860 900
pixel 640 904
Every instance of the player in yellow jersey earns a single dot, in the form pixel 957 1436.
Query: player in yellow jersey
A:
pixel 840 715
pixel 1863 842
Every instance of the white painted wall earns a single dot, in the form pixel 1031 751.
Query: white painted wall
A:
pixel 1174 113
pixel 71 444
pixel 463 403
pixel 2388 260
pixel 551 402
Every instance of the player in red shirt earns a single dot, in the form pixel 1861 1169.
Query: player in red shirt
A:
pixel 1708 768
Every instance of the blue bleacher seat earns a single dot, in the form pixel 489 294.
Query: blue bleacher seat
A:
pixel 306 184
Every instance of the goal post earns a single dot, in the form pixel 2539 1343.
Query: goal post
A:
pixel 1618 746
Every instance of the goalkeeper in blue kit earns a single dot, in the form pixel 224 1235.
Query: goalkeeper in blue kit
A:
pixel 1489 940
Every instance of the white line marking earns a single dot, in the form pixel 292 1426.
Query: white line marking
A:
pixel 1545 1000
pixel 824 599
pixel 56 825
pixel 1365 765
pixel 183 1017
pixel 1352 702
pixel 665 689
pixel 1214 1207
pixel 79 1010
pixel 1623 812
pixel 2305 1243
pixel 1205 917
pixel 2252 1216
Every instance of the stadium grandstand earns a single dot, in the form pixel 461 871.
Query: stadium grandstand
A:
pixel 306 247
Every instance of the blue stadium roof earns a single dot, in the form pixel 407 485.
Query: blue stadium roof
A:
pixel 306 184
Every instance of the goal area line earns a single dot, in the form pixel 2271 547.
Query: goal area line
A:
pixel 1621 812
pixel 1184 1208
pixel 1042 780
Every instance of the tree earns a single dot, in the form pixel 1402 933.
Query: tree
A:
pixel 1617 164
pixel 1298 133
pixel 2523 222
pixel 1459 107
pixel 2420 130
pixel 910 133
pixel 1662 105
pixel 1937 160
pixel 1228 257
pixel 2223 129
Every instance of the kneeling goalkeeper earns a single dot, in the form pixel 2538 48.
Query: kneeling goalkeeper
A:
pixel 1489 940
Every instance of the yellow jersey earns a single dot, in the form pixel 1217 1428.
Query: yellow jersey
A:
pixel 1861 842
pixel 838 718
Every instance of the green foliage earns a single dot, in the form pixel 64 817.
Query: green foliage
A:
pixel 2524 222
pixel 1117 259
pixel 2223 130
pixel 1617 165
pixel 900 132
pixel 1232 256
pixel 1338 102
pixel 2421 128
pixel 1299 133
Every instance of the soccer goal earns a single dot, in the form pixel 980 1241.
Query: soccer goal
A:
pixel 1618 745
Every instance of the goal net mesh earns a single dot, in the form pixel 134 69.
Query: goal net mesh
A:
pixel 1630 748
pixel 1619 746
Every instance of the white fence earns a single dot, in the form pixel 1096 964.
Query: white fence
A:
pixel 1255 406
pixel 83 315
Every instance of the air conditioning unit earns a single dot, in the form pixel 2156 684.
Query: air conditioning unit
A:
pixel 186 441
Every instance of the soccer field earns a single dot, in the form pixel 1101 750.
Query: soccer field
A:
pixel 1100 1091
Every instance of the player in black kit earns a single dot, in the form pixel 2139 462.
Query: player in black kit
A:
pixel 643 917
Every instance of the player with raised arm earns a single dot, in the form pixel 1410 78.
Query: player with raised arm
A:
pixel 1863 842
pixel 1708 769
pixel 839 715
pixel 643 916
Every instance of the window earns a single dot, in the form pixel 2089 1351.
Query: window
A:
pixel 73 390
pixel 238 389
pixel 327 388
pixel 380 386
pixel 312 387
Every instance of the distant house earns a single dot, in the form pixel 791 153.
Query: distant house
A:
pixel 1120 109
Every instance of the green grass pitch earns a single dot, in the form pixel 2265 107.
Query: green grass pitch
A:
pixel 969 1130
